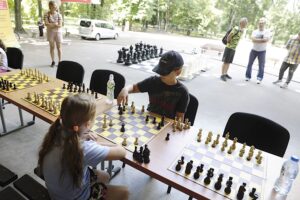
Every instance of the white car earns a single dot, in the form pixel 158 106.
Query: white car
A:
pixel 97 29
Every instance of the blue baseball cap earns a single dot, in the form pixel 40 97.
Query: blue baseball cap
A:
pixel 168 62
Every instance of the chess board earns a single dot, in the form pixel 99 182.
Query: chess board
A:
pixel 21 80
pixel 240 169
pixel 55 96
pixel 135 126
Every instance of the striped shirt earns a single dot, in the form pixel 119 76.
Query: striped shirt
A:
pixel 293 56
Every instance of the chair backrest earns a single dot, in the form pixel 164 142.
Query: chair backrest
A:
pixel 192 109
pixel 99 80
pixel 255 130
pixel 15 57
pixel 70 71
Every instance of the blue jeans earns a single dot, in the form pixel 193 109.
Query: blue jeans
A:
pixel 261 55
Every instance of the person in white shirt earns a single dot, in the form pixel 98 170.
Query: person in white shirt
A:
pixel 260 38
pixel 3 57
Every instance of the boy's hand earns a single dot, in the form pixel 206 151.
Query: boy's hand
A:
pixel 123 96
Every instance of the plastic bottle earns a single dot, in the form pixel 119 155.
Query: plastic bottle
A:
pixel 110 89
pixel 288 173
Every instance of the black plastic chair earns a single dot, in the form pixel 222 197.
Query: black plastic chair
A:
pixel 15 57
pixel 15 60
pixel 99 80
pixel 255 130
pixel 70 71
pixel 192 109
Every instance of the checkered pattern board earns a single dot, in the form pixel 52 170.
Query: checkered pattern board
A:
pixel 21 81
pixel 242 170
pixel 135 126
pixel 56 96
pixel 146 66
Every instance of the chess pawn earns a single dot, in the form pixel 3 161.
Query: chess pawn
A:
pixel 124 143
pixel 132 104
pixel 230 150
pixel 136 142
pixel 250 154
pixel 186 124
pixel 258 161
pixel 29 96
pixel 110 122
pixel 234 143
pixel 258 155
pixel 227 135
pixel 178 123
pixel 143 109
pixel 199 135
pixel 223 147
pixel 54 109
pixel 104 125
pixel 242 152
pixel 214 144
pixel 174 126
pixel 133 109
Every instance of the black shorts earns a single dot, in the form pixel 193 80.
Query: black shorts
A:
pixel 98 190
pixel 228 55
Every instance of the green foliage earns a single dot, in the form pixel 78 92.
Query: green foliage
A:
pixel 195 17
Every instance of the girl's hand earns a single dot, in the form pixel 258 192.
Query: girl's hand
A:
pixel 90 135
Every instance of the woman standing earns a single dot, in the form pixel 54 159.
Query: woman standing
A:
pixel 53 22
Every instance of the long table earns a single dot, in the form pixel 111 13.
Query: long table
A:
pixel 163 153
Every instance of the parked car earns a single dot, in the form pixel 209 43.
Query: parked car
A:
pixel 90 28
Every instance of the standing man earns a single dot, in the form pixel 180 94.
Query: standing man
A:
pixel 232 42
pixel 260 38
pixel 53 22
pixel 291 61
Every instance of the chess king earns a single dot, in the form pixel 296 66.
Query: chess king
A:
pixel 167 95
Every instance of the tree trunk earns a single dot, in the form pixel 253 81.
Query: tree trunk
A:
pixel 18 17
pixel 130 24
pixel 40 8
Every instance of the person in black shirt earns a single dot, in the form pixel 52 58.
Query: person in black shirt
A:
pixel 167 96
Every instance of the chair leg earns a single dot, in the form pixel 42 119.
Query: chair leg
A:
pixel 112 170
pixel 123 165
pixel 102 165
pixel 190 197
pixel 21 117
pixel 169 189
pixel 2 117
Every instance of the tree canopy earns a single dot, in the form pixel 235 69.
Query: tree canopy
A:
pixel 207 18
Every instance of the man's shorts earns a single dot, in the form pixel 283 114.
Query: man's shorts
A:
pixel 54 36
pixel 228 55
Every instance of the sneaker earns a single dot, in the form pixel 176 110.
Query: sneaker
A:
pixel 258 81
pixel 52 64
pixel 223 77
pixel 227 76
pixel 285 85
pixel 247 79
pixel 278 81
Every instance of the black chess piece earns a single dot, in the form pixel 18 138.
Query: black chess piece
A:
pixel 168 137
pixel 92 92
pixel 152 53
pixel 120 57
pixel 140 155
pixel 131 50
pixel 218 184
pixel 134 155
pixel 154 120
pixel 241 191
pixel 182 160
pixel 15 87
pixel 124 53
pixel 197 173
pixel 162 122
pixel 227 190
pixel 124 108
pixel 201 168
pixel 134 60
pixel 155 52
pixel 128 60
pixel 146 154
pixel 79 89
pixel 123 127
pixel 119 107
pixel 121 111
pixel 147 118
pixel 252 194
pixel 178 166
pixel 189 167
pixel 143 55
pixel 147 54
pixel 209 175
pixel 64 86
pixel 137 46
pixel 96 95
pixel 139 59
pixel 158 126
pixel 161 52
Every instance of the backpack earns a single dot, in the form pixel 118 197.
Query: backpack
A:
pixel 224 39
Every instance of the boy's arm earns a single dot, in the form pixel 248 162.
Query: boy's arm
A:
pixel 123 95
pixel 116 153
